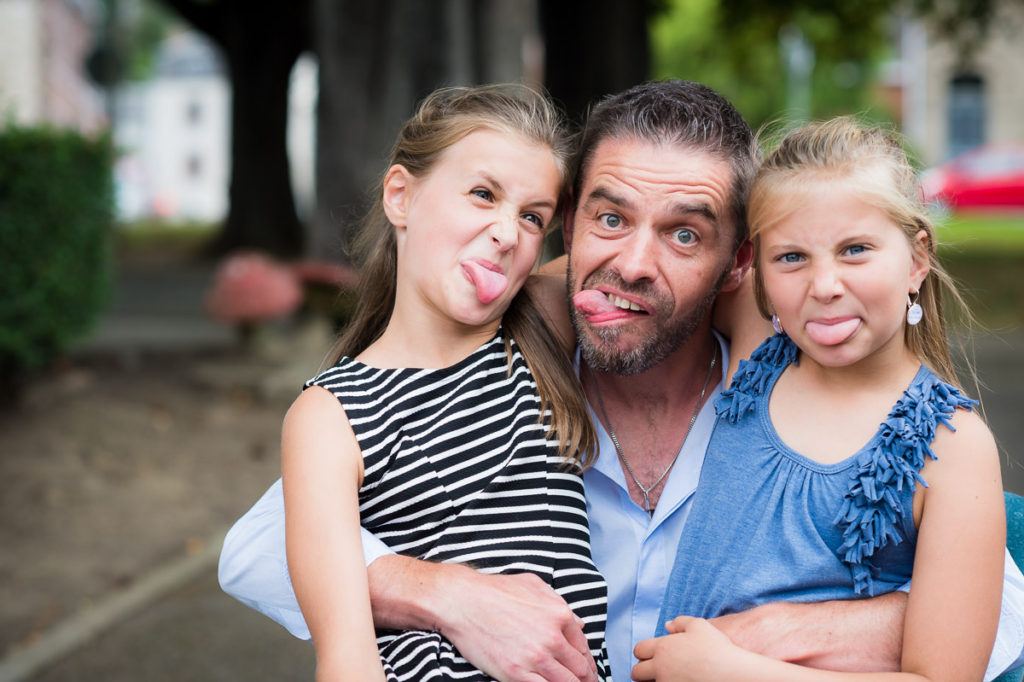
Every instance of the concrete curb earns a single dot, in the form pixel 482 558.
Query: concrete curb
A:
pixel 79 629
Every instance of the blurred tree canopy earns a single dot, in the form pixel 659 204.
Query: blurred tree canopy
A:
pixel 377 59
pixel 736 47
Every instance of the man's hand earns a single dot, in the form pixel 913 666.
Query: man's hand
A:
pixel 860 635
pixel 513 627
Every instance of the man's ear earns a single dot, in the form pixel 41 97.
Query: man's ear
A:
pixel 741 265
pixel 396 194
pixel 568 215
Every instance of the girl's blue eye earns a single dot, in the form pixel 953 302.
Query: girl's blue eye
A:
pixel 790 258
pixel 610 220
pixel 684 236
pixel 535 219
pixel 856 249
pixel 484 194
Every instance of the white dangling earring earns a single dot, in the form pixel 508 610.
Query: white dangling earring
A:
pixel 914 311
pixel 777 324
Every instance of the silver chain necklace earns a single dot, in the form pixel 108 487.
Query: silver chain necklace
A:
pixel 618 448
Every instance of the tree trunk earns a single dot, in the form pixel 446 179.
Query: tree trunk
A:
pixel 594 48
pixel 377 60
pixel 261 42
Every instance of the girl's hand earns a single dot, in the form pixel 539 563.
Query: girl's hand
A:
pixel 694 650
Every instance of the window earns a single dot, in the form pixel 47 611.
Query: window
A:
pixel 194 113
pixel 966 113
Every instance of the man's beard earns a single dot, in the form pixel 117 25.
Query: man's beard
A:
pixel 669 335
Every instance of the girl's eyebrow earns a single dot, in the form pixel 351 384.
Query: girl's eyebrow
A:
pixel 492 181
pixel 500 189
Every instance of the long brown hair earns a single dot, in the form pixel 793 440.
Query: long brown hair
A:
pixel 870 162
pixel 442 119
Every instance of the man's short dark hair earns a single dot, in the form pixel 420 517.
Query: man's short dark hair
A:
pixel 680 113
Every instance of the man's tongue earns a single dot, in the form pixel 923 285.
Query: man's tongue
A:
pixel 489 284
pixel 592 302
pixel 832 334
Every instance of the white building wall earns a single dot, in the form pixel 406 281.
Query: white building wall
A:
pixel 21 80
pixel 187 146
pixel 302 98
pixel 929 66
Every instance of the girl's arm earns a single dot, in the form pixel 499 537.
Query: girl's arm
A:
pixel 953 608
pixel 736 316
pixel 322 471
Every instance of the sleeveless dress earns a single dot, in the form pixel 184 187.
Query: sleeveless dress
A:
pixel 769 524
pixel 458 468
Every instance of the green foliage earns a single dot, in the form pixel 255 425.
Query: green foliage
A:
pixel 56 213
pixel 734 47
pixel 985 255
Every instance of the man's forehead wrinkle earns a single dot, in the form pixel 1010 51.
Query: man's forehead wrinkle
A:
pixel 602 192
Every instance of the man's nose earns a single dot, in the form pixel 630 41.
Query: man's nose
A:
pixel 637 257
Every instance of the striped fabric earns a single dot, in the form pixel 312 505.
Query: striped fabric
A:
pixel 458 469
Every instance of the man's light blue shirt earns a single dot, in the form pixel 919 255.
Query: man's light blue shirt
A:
pixel 634 551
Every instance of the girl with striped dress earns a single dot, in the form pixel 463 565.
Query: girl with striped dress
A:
pixel 450 424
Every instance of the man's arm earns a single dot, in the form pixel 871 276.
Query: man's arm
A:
pixel 863 634
pixel 254 569
pixel 510 626
pixel 507 625
pixel 856 635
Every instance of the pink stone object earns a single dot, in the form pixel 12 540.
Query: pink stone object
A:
pixel 252 287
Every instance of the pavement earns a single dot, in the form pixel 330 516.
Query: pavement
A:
pixel 175 623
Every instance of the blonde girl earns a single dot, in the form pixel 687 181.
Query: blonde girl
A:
pixel 846 461
pixel 450 424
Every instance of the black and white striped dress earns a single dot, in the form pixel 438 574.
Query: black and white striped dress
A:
pixel 458 469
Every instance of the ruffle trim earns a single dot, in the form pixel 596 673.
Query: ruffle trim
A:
pixel 753 376
pixel 872 506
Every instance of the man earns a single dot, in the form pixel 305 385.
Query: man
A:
pixel 656 230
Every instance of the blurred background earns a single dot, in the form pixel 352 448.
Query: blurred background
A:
pixel 178 179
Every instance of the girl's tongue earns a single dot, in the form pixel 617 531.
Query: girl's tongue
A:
pixel 489 284
pixel 832 334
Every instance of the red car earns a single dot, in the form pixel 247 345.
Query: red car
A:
pixel 986 177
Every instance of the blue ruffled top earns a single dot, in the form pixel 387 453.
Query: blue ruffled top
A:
pixel 768 523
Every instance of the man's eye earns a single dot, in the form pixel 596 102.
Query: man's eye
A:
pixel 684 237
pixel 610 220
pixel 484 194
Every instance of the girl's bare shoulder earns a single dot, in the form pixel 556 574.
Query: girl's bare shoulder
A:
pixel 968 448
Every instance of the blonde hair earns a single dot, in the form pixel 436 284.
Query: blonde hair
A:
pixel 442 119
pixel 869 162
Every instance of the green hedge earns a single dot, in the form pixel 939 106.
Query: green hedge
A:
pixel 56 219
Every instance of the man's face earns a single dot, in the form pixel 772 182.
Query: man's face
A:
pixel 651 245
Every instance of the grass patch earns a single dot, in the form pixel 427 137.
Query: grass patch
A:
pixel 162 239
pixel 985 254
pixel 982 233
